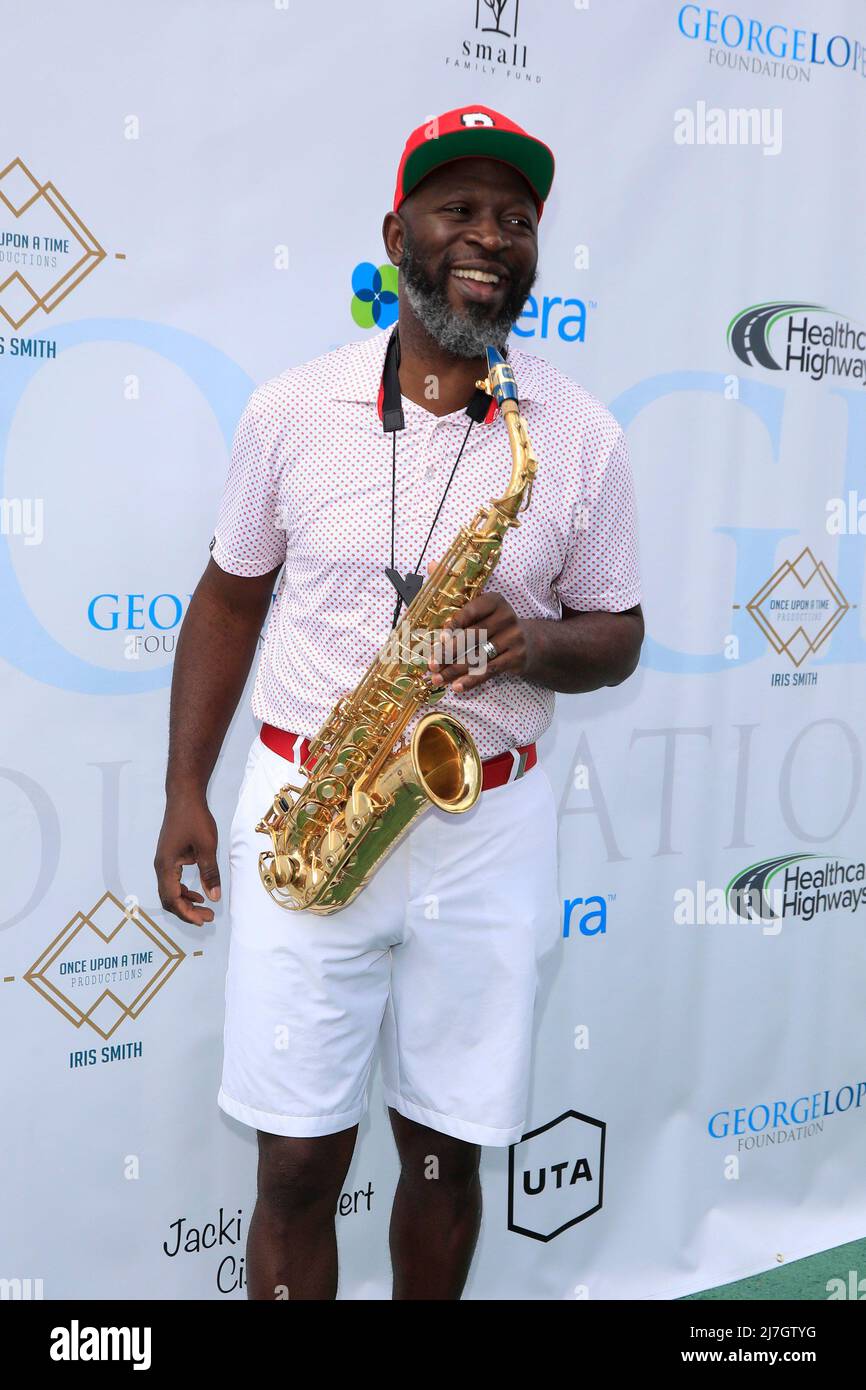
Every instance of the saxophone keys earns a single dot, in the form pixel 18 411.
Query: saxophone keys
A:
pixel 448 612
pixel 331 846
pixel 282 872
pixel 359 810
pixel 282 804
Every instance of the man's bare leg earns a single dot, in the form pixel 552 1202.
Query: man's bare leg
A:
pixel 292 1242
pixel 437 1211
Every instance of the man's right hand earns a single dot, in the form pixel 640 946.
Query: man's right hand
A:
pixel 215 648
pixel 188 836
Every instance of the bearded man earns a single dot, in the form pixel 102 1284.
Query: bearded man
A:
pixel 351 474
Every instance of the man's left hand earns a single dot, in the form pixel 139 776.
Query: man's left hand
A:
pixel 485 618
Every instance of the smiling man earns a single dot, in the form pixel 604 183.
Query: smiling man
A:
pixel 352 473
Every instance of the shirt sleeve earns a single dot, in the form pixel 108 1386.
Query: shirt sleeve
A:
pixel 249 536
pixel 602 570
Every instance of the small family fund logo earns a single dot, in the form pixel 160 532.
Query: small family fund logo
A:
pixel 761 126
pixel 45 248
pixel 497 17
pixel 496 47
pixel 77 1343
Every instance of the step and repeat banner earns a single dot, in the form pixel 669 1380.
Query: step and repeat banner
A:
pixel 191 200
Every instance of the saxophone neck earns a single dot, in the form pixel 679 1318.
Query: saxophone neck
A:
pixel 523 461
pixel 501 385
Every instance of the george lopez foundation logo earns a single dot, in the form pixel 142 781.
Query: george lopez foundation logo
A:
pixel 797 609
pixel 797 886
pixel 785 1119
pixel 104 967
pixel 767 47
pixel 790 336
pixel 556 1176
pixel 496 46
pixel 45 253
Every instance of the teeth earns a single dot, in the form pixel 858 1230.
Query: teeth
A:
pixel 481 275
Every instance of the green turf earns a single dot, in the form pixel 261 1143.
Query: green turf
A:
pixel 801 1279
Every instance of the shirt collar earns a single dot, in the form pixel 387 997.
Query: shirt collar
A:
pixel 360 376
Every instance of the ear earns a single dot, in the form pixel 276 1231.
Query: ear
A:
pixel 393 236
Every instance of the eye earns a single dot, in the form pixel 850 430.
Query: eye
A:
pixel 524 221
pixel 456 207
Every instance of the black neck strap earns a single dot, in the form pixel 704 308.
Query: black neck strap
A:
pixel 393 419
pixel 392 401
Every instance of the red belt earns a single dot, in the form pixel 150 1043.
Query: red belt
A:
pixel 496 771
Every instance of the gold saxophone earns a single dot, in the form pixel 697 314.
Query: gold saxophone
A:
pixel 365 785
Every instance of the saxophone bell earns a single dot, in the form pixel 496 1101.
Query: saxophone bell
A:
pixel 442 761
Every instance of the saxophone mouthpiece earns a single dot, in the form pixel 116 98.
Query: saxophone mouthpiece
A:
pixel 500 377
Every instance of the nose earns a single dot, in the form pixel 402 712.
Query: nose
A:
pixel 485 230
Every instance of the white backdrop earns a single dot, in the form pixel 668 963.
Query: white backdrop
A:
pixel 186 193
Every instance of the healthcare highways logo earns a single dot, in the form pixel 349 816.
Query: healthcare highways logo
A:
pixel 797 885
pixel 793 336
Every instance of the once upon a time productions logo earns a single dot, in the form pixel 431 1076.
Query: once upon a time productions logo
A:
pixel 797 609
pixel 46 250
pixel 792 336
pixel 496 45
pixel 103 968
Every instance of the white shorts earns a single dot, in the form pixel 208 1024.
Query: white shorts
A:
pixel 439 955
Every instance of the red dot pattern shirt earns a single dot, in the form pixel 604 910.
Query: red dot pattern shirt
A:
pixel 309 488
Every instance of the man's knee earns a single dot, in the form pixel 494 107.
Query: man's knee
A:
pixel 298 1174
pixel 427 1156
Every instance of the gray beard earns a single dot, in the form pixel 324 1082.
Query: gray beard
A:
pixel 464 334
pixel 456 335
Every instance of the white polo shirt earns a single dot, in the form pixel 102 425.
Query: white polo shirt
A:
pixel 309 488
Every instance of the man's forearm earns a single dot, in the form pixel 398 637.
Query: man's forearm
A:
pixel 215 650
pixel 583 651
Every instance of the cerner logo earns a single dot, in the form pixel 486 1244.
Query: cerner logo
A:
pixel 76 1343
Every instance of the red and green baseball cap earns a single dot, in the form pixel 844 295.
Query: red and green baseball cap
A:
pixel 473 131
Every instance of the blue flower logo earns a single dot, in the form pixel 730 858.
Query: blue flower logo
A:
pixel 374 302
